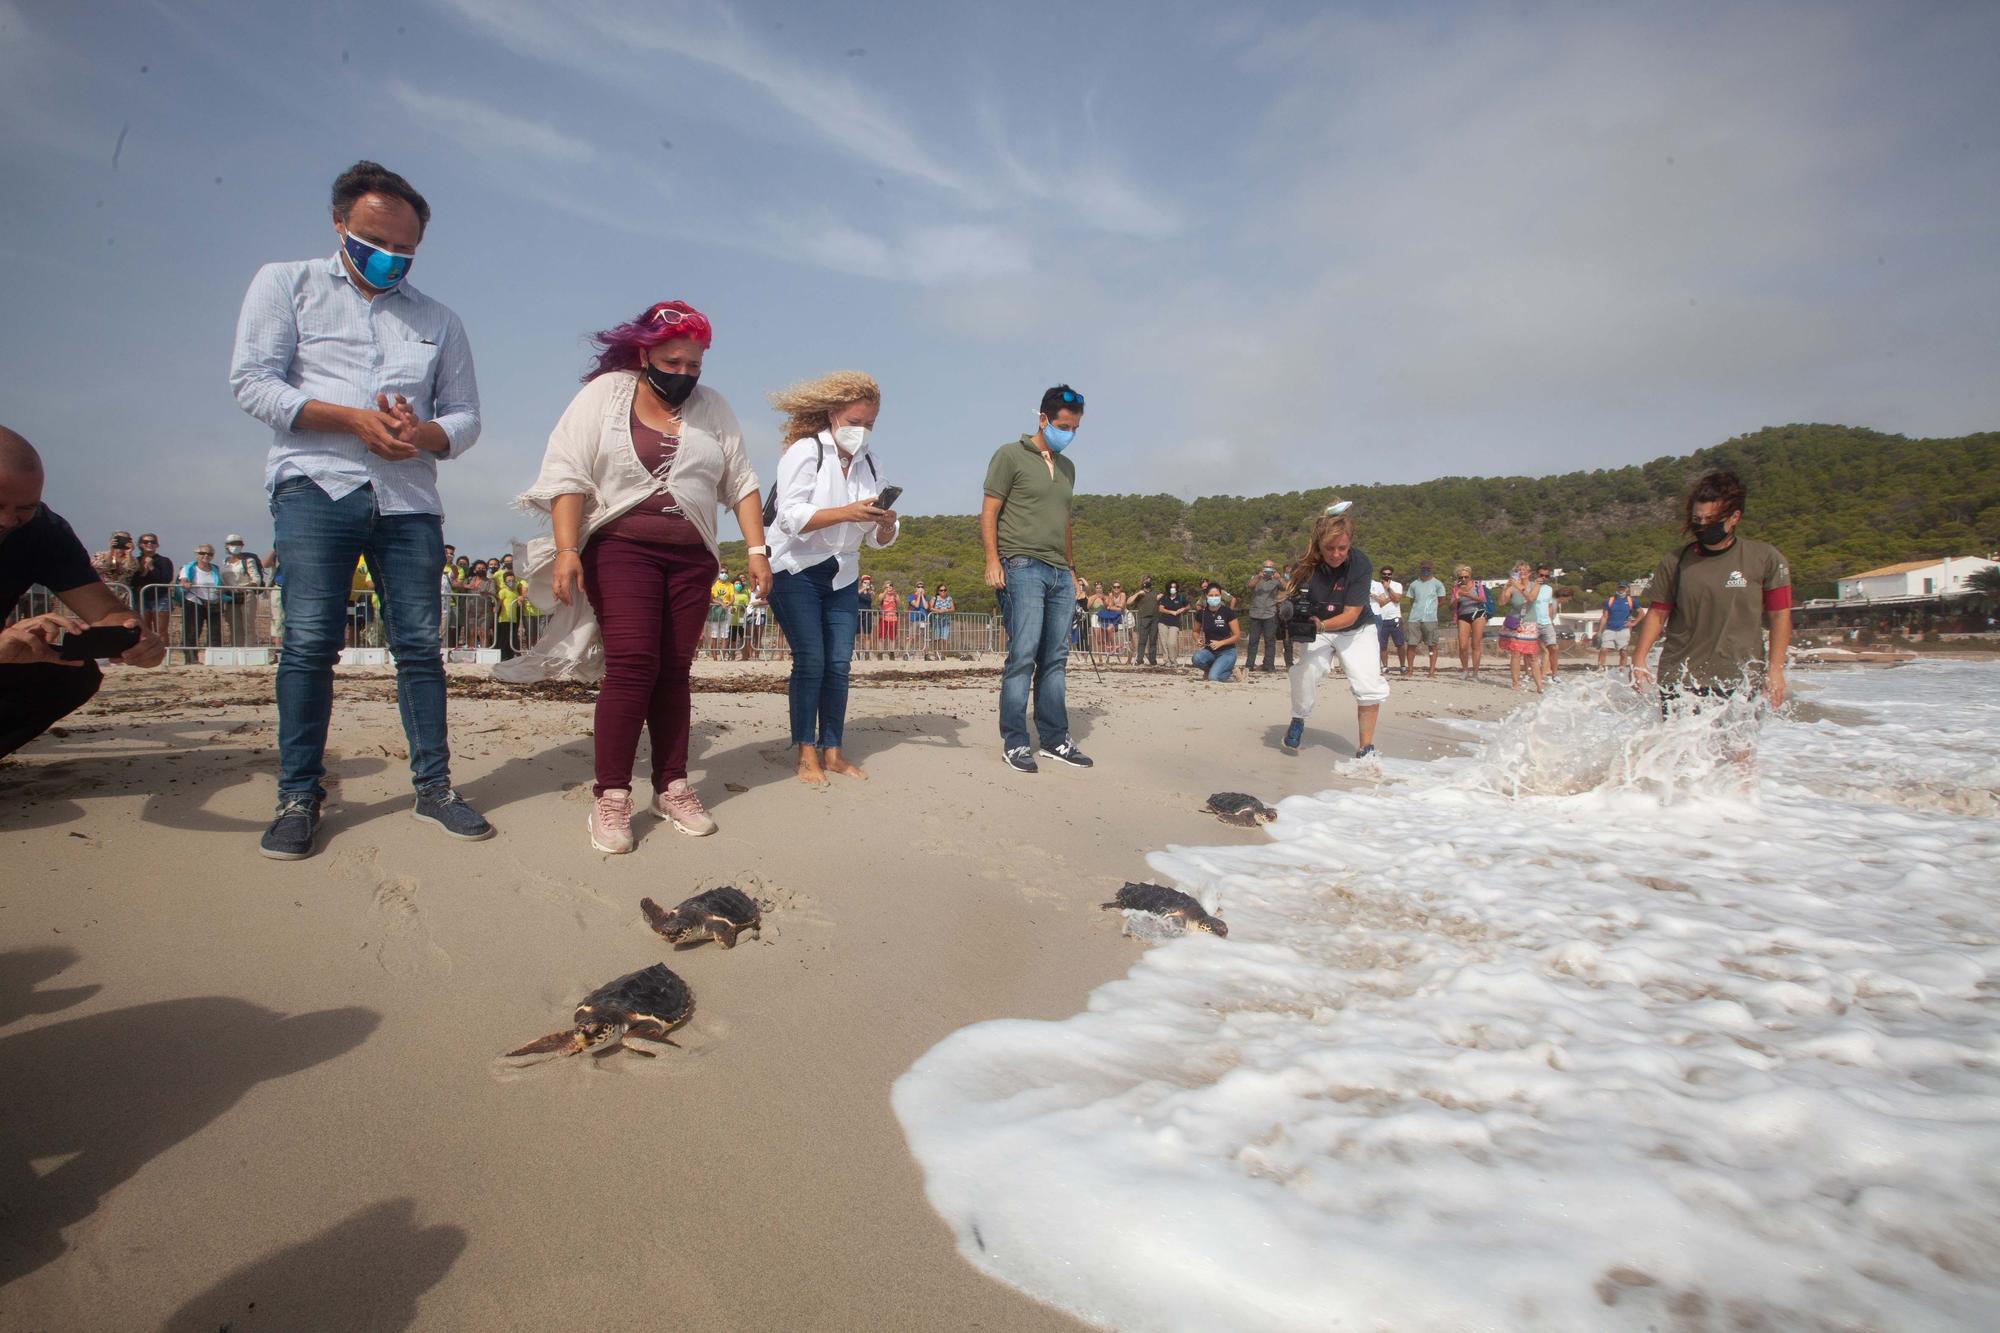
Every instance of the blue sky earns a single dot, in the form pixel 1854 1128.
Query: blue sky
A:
pixel 1276 246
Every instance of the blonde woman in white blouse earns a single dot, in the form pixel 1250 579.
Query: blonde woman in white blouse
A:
pixel 631 481
pixel 824 510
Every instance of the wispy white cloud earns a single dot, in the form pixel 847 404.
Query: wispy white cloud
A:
pixel 1075 181
pixel 485 128
pixel 926 256
pixel 1544 239
pixel 600 38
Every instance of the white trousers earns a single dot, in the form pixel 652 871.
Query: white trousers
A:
pixel 1360 654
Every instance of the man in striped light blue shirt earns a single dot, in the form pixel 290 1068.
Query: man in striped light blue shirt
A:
pixel 366 383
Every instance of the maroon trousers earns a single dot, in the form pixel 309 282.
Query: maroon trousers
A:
pixel 651 603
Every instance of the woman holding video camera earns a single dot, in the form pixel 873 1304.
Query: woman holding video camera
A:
pixel 823 508
pixel 1330 616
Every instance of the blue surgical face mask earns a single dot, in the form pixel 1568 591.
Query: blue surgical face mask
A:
pixel 1057 438
pixel 1214 600
pixel 379 268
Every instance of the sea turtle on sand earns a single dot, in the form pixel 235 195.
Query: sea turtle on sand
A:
pixel 648 1003
pixel 1164 902
pixel 1233 807
pixel 719 914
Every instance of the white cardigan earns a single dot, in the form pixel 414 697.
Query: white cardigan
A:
pixel 804 489
pixel 590 453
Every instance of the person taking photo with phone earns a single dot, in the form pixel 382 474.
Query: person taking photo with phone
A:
pixel 824 508
pixel 40 684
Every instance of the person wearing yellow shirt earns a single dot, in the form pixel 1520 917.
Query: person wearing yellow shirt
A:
pixel 721 600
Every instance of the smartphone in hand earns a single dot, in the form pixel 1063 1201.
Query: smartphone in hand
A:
pixel 887 499
pixel 103 641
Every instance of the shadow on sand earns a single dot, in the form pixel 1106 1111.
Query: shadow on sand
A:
pixel 763 759
pixel 86 1103
pixel 367 1272
pixel 1342 746
pixel 22 971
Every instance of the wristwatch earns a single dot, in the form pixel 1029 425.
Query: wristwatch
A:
pixel 758 550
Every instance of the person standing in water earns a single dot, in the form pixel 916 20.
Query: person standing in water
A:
pixel 1616 633
pixel 1336 577
pixel 1723 604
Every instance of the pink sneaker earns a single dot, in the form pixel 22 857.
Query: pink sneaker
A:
pixel 683 808
pixel 611 822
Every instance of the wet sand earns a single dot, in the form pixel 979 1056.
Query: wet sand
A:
pixel 266 1095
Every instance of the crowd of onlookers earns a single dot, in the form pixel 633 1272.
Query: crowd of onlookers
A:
pixel 1204 625
pixel 238 600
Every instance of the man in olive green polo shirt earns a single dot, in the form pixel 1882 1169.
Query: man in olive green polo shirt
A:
pixel 1717 600
pixel 1024 523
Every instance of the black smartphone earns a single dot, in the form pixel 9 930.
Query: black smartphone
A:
pixel 103 641
pixel 887 499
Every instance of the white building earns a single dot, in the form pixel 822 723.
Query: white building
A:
pixel 1915 579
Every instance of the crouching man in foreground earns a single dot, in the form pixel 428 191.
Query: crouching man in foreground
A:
pixel 38 685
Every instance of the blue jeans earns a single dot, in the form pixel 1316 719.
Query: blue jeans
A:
pixel 1036 604
pixel 1218 665
pixel 819 621
pixel 318 541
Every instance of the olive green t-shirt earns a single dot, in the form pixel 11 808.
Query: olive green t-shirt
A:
pixel 1034 501
pixel 1143 604
pixel 1718 599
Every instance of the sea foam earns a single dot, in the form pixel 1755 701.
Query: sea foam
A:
pixel 1596 1028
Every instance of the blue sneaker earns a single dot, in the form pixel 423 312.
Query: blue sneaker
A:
pixel 1068 754
pixel 1294 734
pixel 290 837
pixel 1021 759
pixel 443 806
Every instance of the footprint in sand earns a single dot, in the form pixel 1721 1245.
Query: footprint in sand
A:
pixel 403 944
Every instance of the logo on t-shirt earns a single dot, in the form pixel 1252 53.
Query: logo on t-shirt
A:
pixel 1736 579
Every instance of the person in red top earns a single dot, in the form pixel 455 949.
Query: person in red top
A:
pixel 1722 602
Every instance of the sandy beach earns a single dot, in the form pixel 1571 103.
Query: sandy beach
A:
pixel 266 1095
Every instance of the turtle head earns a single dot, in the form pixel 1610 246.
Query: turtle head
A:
pixel 595 1034
pixel 1214 925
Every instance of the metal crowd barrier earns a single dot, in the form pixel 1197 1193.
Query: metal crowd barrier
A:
pixel 244 626
pixel 953 636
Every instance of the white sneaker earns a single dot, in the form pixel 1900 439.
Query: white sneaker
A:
pixel 610 822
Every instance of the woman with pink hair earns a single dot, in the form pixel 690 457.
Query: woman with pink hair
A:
pixel 631 481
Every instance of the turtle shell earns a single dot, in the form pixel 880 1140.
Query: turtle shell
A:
pixel 1160 900
pixel 728 902
pixel 1236 802
pixel 652 993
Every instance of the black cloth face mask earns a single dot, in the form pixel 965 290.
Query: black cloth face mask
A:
pixel 672 389
pixel 1712 534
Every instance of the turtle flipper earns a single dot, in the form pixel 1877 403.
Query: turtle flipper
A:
pixel 1109 907
pixel 647 1029
pixel 656 916
pixel 568 1042
pixel 723 932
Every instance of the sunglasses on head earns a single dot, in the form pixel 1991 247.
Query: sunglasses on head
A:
pixel 1072 396
pixel 669 317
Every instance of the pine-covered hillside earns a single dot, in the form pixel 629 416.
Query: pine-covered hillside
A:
pixel 1835 499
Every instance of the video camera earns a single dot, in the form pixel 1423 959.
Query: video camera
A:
pixel 1295 617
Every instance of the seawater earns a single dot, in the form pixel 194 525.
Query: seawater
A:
pixel 1595 1028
